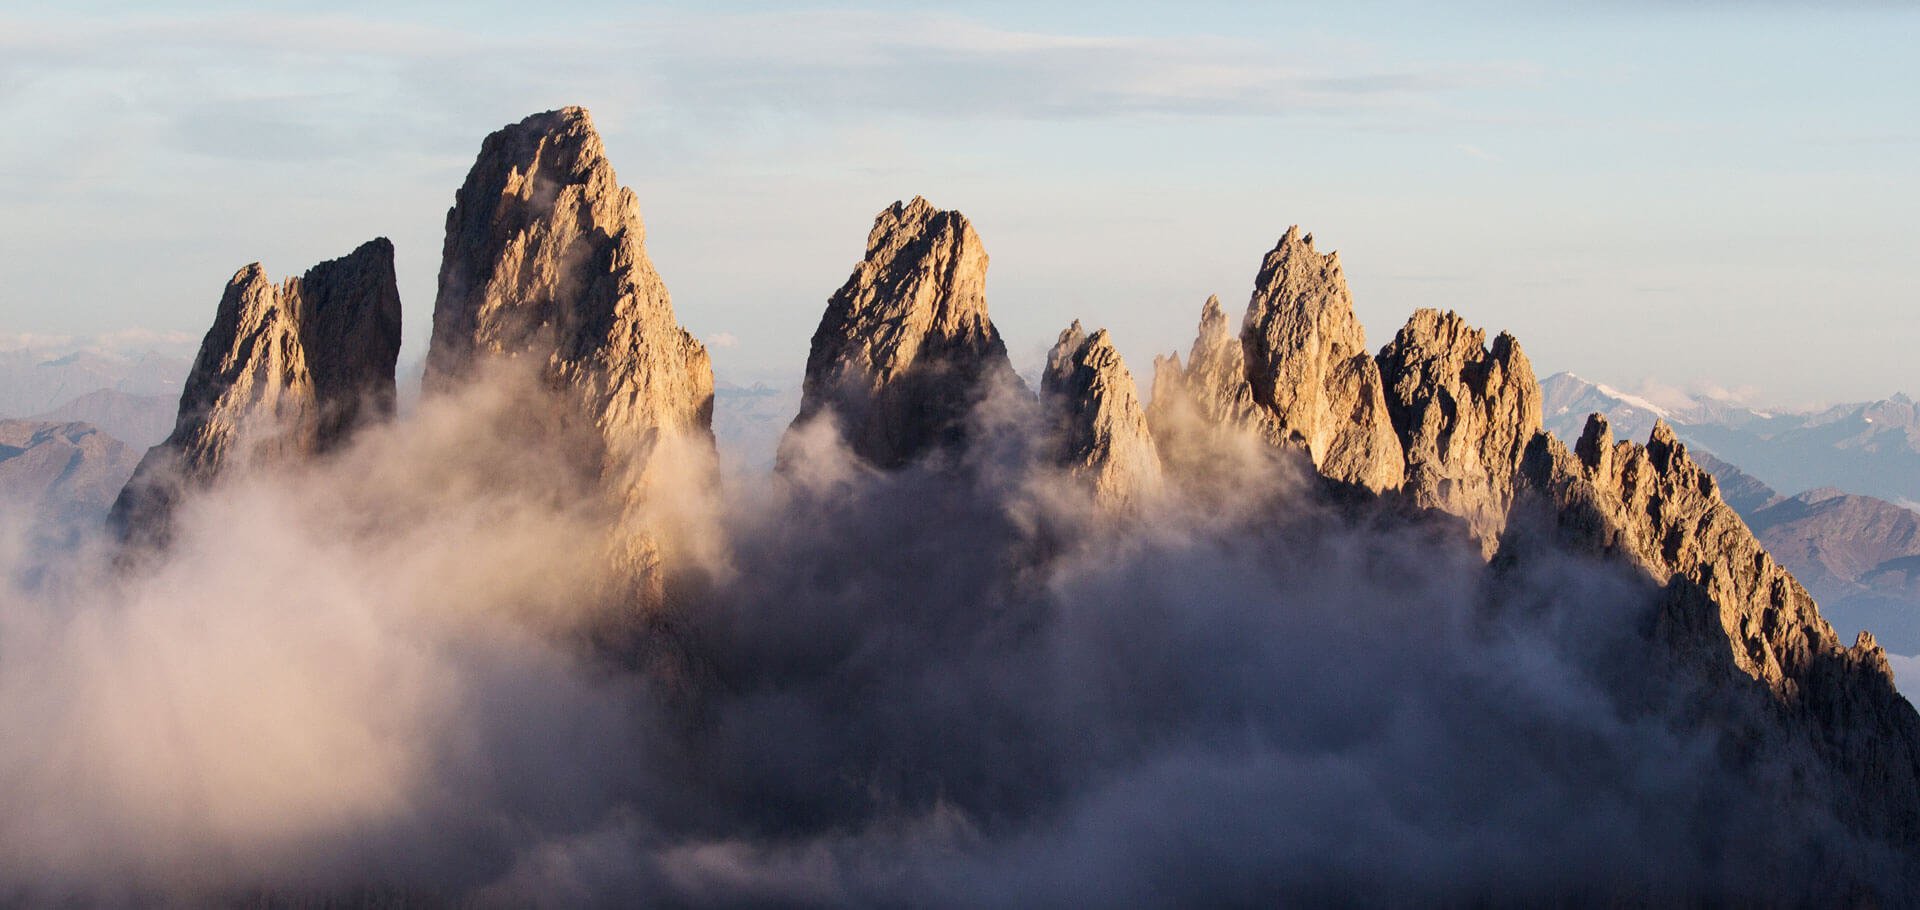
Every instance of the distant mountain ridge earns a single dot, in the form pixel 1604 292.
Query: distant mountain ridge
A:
pixel 137 420
pixel 59 478
pixel 34 382
pixel 1868 448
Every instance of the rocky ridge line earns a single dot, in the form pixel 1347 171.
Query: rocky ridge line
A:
pixel 1729 604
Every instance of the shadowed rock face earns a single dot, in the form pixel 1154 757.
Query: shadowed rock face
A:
pixel 1103 431
pixel 1464 414
pixel 545 259
pixel 1308 364
pixel 905 349
pixel 287 371
pixel 1729 605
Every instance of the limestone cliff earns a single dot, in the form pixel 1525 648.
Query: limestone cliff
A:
pixel 1103 436
pixel 286 371
pixel 1308 364
pixel 1464 414
pixel 545 259
pixel 905 349
pixel 545 264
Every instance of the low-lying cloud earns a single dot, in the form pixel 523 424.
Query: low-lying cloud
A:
pixel 388 673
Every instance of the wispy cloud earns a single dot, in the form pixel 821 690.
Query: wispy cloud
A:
pixel 254 85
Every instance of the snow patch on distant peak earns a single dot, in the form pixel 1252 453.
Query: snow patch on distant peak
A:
pixel 1634 401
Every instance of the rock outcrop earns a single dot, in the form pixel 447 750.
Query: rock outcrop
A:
pixel 545 264
pixel 1464 414
pixel 1299 373
pixel 1103 435
pixel 1309 367
pixel 1729 604
pixel 905 350
pixel 287 371
pixel 1214 381
pixel 545 259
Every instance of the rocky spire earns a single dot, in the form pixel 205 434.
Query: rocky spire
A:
pixel 1196 408
pixel 1216 375
pixel 1307 362
pixel 905 348
pixel 286 371
pixel 545 259
pixel 1103 431
pixel 1728 604
pixel 1464 414
pixel 545 262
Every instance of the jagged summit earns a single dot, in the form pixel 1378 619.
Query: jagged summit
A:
pixel 1299 373
pixel 545 262
pixel 1309 366
pixel 545 258
pixel 905 348
pixel 1103 430
pixel 286 371
pixel 545 271
pixel 1465 414
pixel 535 224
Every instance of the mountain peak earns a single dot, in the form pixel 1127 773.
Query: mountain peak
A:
pixel 545 263
pixel 1104 438
pixel 286 371
pixel 905 346
pixel 1464 413
pixel 1309 367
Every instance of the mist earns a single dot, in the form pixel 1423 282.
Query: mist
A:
pixel 408 669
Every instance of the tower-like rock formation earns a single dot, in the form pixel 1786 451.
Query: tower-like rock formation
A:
pixel 1103 436
pixel 1214 380
pixel 545 263
pixel 545 260
pixel 1198 407
pixel 1728 605
pixel 286 371
pixel 905 349
pixel 1308 364
pixel 1464 414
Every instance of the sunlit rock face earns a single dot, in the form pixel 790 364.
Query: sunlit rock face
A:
pixel 545 263
pixel 905 350
pixel 1464 413
pixel 1309 367
pixel 288 370
pixel 1103 435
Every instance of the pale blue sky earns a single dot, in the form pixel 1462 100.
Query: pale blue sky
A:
pixel 1688 192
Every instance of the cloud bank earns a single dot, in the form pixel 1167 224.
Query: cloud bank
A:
pixel 391 673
